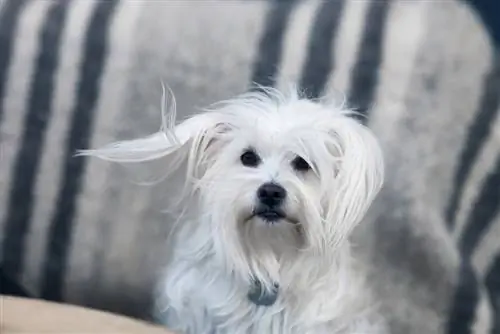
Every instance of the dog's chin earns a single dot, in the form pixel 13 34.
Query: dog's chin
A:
pixel 273 233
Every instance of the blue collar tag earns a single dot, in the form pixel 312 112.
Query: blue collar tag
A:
pixel 262 297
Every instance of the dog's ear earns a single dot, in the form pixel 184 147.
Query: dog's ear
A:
pixel 160 144
pixel 359 175
pixel 155 157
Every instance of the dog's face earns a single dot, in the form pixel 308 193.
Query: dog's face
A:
pixel 261 182
pixel 263 175
pixel 274 176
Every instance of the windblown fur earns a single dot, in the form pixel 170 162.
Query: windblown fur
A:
pixel 221 245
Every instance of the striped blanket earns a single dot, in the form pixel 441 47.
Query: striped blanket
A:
pixel 82 73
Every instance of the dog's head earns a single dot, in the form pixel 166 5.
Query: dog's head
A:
pixel 273 175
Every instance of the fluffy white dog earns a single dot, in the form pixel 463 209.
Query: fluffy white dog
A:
pixel 275 184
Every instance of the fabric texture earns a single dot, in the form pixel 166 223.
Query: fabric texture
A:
pixel 82 73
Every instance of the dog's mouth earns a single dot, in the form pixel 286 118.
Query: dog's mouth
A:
pixel 270 215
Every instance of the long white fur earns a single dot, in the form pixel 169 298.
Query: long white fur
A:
pixel 218 250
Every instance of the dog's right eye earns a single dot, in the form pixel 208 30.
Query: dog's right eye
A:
pixel 250 159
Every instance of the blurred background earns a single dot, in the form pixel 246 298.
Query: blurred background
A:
pixel 76 74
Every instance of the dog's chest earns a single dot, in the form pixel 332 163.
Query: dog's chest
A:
pixel 209 302
pixel 232 311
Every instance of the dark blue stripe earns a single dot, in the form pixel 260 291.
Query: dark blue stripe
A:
pixel 492 280
pixel 365 74
pixel 483 213
pixel 82 121
pixel 320 58
pixel 271 44
pixel 10 287
pixel 21 197
pixel 9 18
pixel 477 136
pixel 465 301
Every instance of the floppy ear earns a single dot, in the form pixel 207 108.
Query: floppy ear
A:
pixel 359 176
pixel 172 144
pixel 158 145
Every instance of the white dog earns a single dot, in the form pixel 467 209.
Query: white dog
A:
pixel 275 185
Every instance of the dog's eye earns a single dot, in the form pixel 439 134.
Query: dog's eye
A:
pixel 300 164
pixel 249 158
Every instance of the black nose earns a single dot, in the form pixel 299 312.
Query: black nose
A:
pixel 271 194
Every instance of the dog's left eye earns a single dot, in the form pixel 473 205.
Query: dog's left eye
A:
pixel 300 164
pixel 249 158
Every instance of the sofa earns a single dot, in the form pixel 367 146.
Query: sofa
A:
pixel 82 73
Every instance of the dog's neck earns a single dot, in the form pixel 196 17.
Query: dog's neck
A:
pixel 291 269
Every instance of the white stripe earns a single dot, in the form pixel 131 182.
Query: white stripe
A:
pixel 295 45
pixel 483 317
pixel 346 45
pixel 52 161
pixel 403 39
pixel 486 164
pixel 16 94
pixel 488 248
